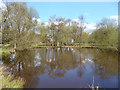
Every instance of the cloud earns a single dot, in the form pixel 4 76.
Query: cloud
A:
pixel 75 20
pixel 115 17
pixel 38 20
pixel 46 23
pixel 2 5
pixel 90 27
pixel 2 8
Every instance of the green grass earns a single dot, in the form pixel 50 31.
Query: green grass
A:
pixel 5 51
pixel 9 81
pixel 81 46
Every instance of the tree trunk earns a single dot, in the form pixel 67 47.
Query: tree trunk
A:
pixel 15 46
pixel 15 43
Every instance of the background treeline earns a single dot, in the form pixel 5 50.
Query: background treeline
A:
pixel 20 29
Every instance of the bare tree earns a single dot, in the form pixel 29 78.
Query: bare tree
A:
pixel 82 26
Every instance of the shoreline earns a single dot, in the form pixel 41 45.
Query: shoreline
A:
pixel 92 47
pixel 8 81
pixel 7 51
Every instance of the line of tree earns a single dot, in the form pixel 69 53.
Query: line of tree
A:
pixel 20 30
pixel 106 34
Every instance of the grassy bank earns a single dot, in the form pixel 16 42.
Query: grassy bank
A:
pixel 5 50
pixel 9 81
pixel 82 46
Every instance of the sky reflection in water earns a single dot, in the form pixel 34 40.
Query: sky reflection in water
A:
pixel 64 67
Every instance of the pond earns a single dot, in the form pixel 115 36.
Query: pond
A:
pixel 64 67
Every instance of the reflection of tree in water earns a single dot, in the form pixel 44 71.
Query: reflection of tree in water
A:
pixel 106 64
pixel 55 68
pixel 31 76
pixel 57 72
pixel 21 62
pixel 81 68
pixel 56 62
pixel 23 65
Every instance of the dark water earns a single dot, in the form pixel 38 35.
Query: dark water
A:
pixel 65 67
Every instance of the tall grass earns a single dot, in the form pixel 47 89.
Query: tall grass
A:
pixel 10 81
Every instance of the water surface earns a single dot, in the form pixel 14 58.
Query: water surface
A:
pixel 64 67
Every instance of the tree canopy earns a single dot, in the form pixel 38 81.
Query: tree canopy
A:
pixel 20 30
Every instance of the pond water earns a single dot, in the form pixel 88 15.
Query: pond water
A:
pixel 64 67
